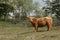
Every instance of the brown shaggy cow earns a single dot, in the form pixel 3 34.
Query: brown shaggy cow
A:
pixel 40 22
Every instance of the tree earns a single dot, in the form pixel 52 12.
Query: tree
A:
pixel 4 9
pixel 54 6
pixel 24 6
pixel 27 6
pixel 38 9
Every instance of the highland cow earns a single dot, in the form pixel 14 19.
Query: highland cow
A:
pixel 41 22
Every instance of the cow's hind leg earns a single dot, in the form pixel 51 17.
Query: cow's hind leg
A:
pixel 49 27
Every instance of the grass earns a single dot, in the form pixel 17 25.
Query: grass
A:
pixel 10 31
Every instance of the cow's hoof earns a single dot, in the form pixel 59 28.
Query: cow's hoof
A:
pixel 36 31
pixel 48 30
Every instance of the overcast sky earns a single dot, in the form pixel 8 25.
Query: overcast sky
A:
pixel 40 2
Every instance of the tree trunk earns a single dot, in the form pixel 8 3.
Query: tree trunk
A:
pixel 5 17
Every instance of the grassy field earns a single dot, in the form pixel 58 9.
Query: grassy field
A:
pixel 10 31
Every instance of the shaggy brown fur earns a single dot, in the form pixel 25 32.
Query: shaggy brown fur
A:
pixel 41 22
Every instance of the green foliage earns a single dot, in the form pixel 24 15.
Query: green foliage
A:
pixel 25 6
pixel 54 7
pixel 5 8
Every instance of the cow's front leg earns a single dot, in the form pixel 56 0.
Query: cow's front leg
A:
pixel 36 28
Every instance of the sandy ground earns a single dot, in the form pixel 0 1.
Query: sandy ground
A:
pixel 17 33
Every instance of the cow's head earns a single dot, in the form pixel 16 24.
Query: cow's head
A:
pixel 31 18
